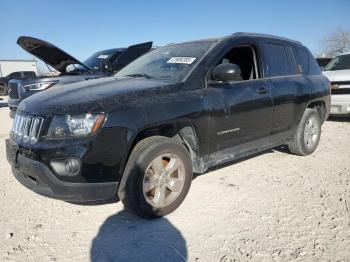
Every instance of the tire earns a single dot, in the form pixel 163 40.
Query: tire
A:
pixel 307 135
pixel 150 187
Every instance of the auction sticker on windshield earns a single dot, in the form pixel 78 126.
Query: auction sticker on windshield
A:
pixel 181 60
pixel 102 56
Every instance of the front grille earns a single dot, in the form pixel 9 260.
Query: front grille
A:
pixel 340 82
pixel 13 90
pixel 26 128
pixel 340 91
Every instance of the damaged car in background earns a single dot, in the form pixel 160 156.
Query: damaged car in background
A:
pixel 338 72
pixel 139 135
pixel 101 64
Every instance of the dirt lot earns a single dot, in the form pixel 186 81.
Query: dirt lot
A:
pixel 274 206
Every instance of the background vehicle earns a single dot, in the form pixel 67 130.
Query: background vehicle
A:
pixel 21 75
pixel 323 61
pixel 100 64
pixel 338 72
pixel 179 109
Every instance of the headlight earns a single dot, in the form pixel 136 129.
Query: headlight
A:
pixel 75 125
pixel 40 86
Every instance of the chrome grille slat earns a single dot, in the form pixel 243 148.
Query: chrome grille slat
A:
pixel 21 126
pixel 14 126
pixel 17 125
pixel 26 128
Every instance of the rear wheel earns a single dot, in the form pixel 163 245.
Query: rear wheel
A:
pixel 157 177
pixel 307 135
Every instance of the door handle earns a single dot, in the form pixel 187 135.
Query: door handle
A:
pixel 262 90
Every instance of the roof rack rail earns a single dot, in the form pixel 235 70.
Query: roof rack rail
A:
pixel 265 35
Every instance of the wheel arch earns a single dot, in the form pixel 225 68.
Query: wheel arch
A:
pixel 182 133
pixel 320 107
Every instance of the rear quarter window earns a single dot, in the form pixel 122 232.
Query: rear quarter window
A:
pixel 276 60
pixel 301 59
pixel 314 68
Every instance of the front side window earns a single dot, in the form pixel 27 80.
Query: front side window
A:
pixel 245 58
pixel 14 75
pixel 172 62
pixel 341 62
pixel 276 60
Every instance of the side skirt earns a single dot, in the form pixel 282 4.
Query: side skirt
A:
pixel 202 164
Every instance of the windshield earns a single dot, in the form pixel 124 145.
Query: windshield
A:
pixel 171 62
pixel 96 61
pixel 341 62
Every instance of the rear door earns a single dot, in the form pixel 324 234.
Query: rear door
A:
pixel 288 85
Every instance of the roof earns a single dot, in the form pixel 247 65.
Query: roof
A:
pixel 266 36
pixel 197 41
pixel 112 50
pixel 346 53
pixel 240 34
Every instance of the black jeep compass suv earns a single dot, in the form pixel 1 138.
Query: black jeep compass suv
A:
pixel 139 135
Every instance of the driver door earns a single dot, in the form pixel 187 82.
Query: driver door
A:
pixel 242 110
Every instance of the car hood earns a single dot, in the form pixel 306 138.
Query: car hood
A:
pixel 98 95
pixel 50 54
pixel 60 79
pixel 338 75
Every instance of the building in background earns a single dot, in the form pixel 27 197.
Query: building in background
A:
pixel 9 66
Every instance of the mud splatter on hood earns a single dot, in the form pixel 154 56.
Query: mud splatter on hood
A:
pixel 98 95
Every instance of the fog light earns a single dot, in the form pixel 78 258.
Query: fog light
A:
pixel 66 166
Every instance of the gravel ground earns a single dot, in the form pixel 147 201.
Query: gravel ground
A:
pixel 273 206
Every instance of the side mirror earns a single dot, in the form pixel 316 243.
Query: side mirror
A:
pixel 227 72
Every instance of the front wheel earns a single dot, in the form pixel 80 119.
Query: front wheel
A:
pixel 307 135
pixel 157 177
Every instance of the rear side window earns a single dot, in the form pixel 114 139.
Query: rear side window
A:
pixel 276 60
pixel 314 68
pixel 302 60
pixel 292 65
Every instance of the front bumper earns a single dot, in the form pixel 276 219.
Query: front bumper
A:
pixel 340 104
pixel 38 177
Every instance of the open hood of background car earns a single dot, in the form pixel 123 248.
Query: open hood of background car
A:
pixel 130 54
pixel 50 54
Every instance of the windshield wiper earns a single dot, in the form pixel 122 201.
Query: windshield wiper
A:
pixel 141 75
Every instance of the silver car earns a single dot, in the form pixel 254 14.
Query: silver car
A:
pixel 338 72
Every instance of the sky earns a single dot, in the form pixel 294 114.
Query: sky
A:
pixel 84 27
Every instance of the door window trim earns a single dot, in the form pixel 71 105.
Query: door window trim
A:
pixel 257 63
